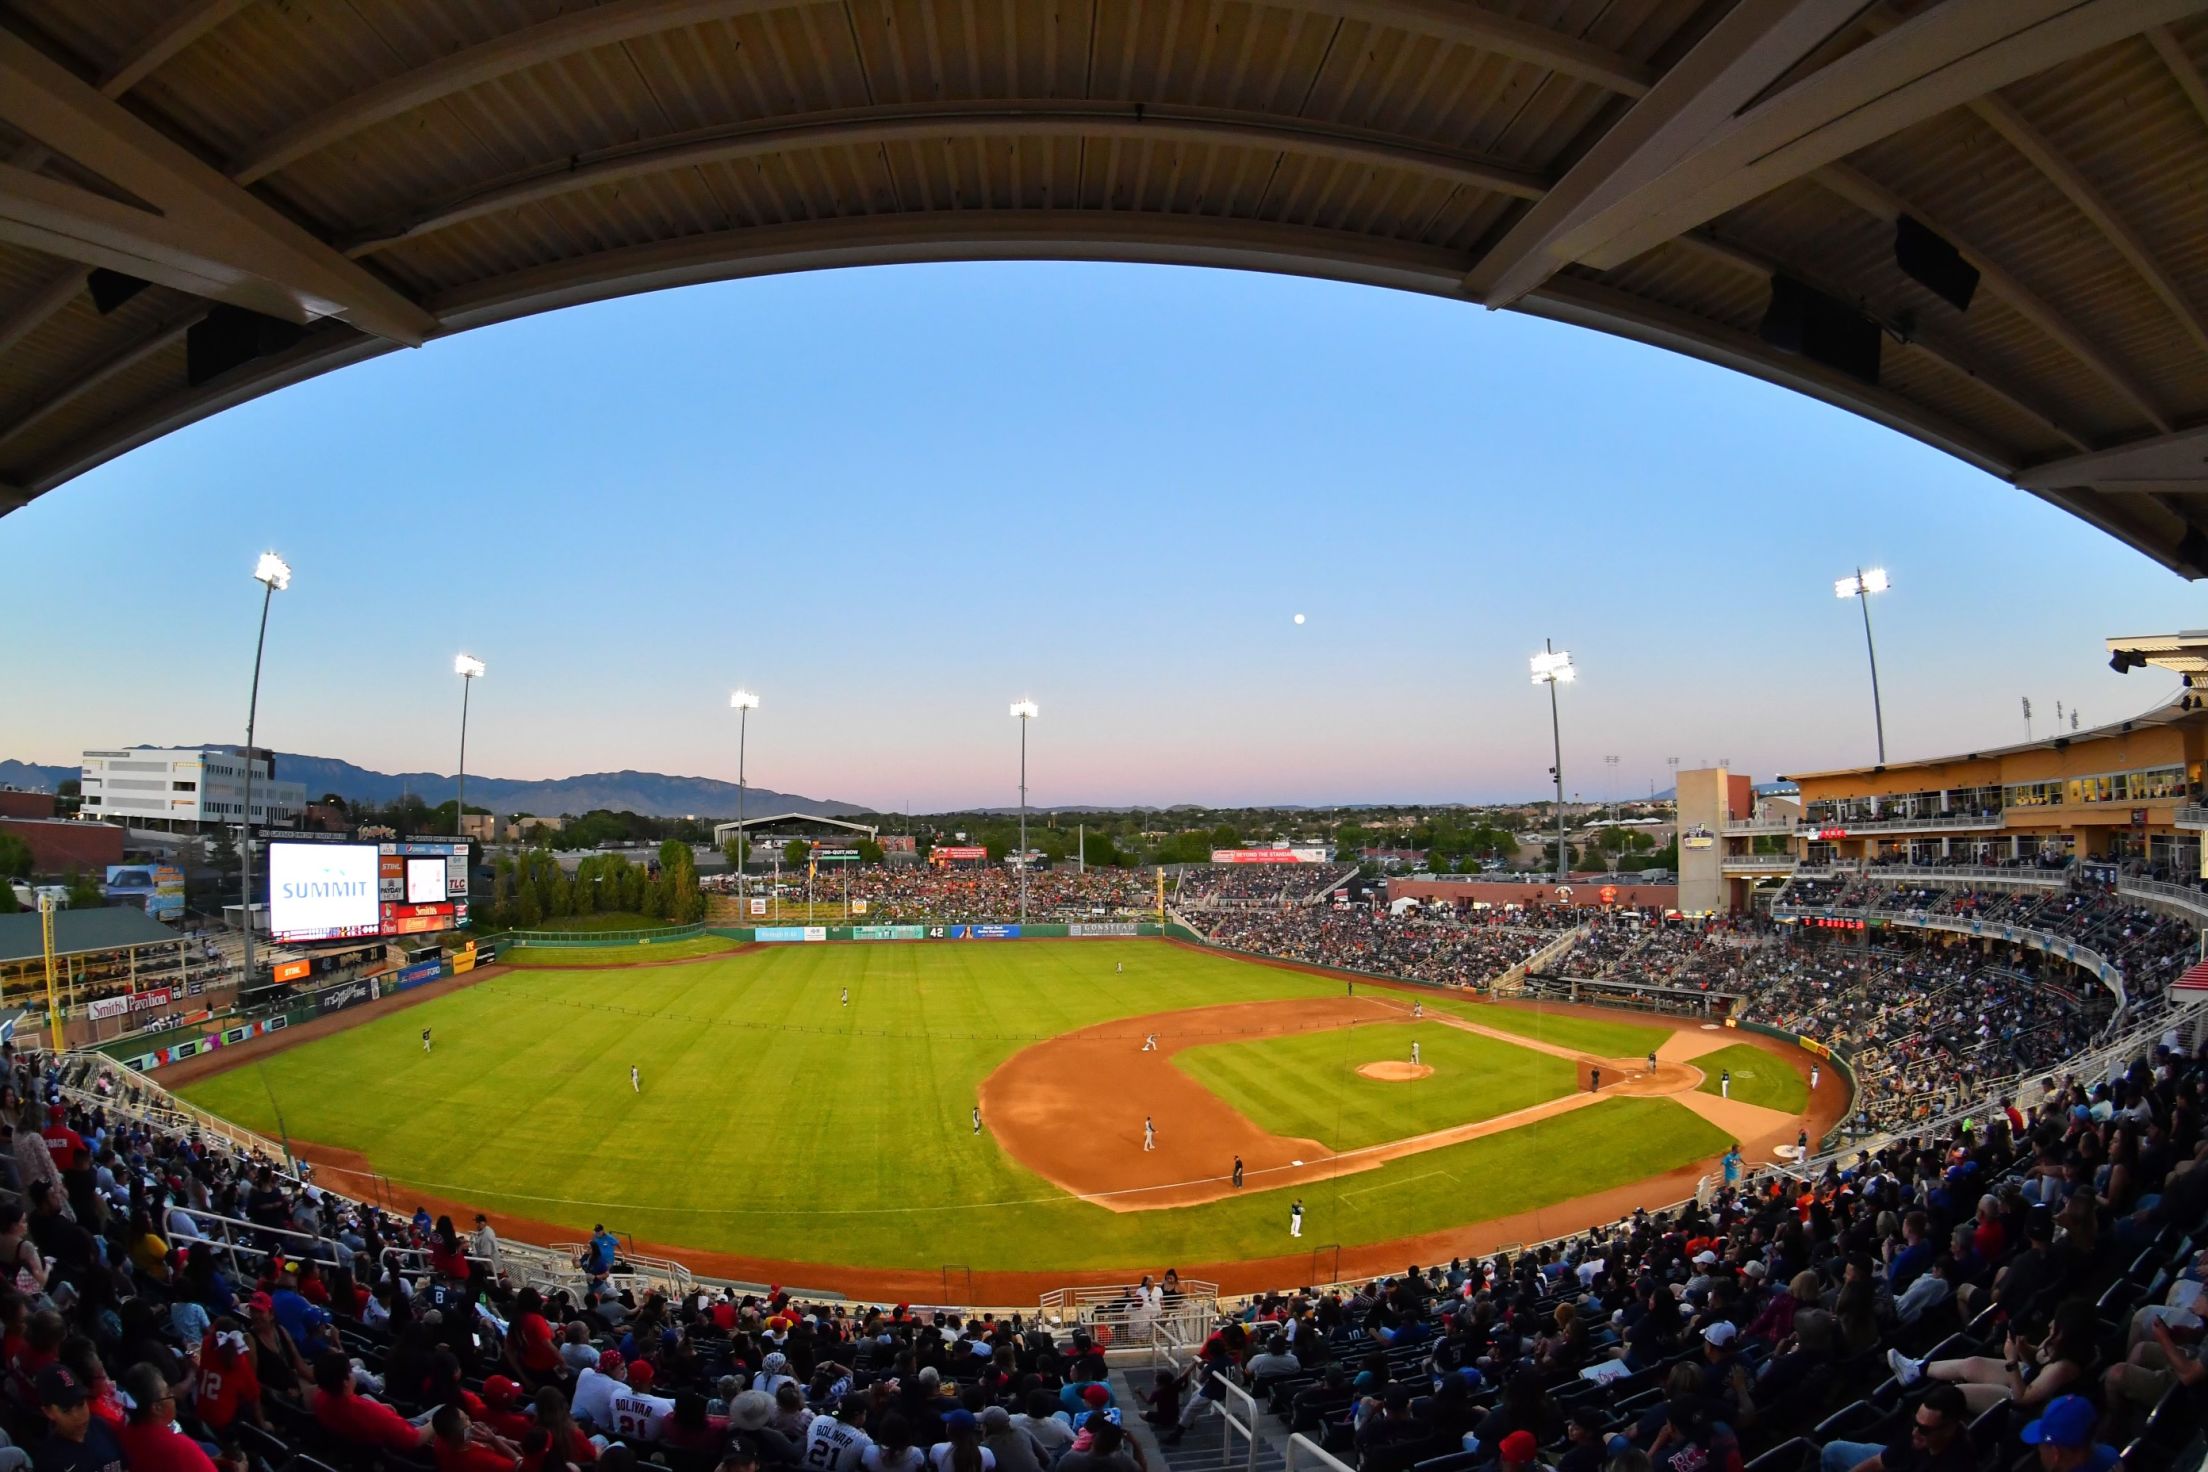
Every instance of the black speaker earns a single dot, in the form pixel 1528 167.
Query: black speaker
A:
pixel 1822 329
pixel 110 289
pixel 230 336
pixel 1933 263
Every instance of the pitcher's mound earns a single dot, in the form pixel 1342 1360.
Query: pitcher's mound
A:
pixel 1393 1071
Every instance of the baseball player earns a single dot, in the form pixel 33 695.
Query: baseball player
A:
pixel 977 1119
pixel 635 1083
pixel 1295 1218
pixel 1414 1055
pixel 1725 1084
pixel 1149 1042
pixel 425 1045
pixel 1149 1134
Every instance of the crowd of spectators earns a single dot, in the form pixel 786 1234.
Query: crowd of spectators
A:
pixel 914 894
pixel 1445 945
pixel 1249 886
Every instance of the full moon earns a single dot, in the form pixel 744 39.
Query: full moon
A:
pixel 1299 618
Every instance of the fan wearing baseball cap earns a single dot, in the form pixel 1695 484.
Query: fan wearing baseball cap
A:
pixel 75 1441
pixel 2063 1435
pixel 1520 1452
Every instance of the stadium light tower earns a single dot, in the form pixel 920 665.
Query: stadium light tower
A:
pixel 1860 587
pixel 743 702
pixel 469 669
pixel 274 575
pixel 1024 711
pixel 1553 667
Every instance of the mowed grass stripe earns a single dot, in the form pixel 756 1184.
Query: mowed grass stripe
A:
pixel 778 1123
pixel 1307 1086
pixel 1758 1077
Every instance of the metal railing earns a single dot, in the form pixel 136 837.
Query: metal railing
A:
pixel 2190 816
pixel 1761 863
pixel 1238 1409
pixel 1931 823
pixel 1760 825
pixel 2084 957
pixel 1302 1452
pixel 1977 875
pixel 2191 903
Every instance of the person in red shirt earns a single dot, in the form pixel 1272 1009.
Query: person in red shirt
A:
pixel 351 1416
pixel 63 1143
pixel 229 1386
pixel 502 1409
pixel 462 1445
pixel 530 1351
pixel 151 1442
pixel 83 1361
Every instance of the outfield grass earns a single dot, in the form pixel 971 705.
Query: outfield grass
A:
pixel 1307 1086
pixel 1758 1078
pixel 1603 1039
pixel 565 958
pixel 777 1123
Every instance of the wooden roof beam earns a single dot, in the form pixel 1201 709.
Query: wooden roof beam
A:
pixel 1744 54
pixel 199 224
pixel 1939 59
pixel 58 292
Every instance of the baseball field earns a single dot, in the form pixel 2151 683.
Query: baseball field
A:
pixel 808 1113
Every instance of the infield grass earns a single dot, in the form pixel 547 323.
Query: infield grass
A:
pixel 1307 1086
pixel 1758 1078
pixel 776 1122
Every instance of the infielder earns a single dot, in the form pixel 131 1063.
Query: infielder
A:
pixel 1149 1134
pixel 1295 1218
pixel 1149 1042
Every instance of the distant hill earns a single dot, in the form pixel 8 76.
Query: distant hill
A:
pixel 654 794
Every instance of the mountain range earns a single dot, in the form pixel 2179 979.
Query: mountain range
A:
pixel 654 794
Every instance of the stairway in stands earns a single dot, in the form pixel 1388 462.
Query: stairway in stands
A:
pixel 1201 1449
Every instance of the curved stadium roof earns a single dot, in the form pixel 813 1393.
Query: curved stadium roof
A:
pixel 1983 223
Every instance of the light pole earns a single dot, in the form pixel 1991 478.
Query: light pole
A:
pixel 1860 587
pixel 1610 782
pixel 743 702
pixel 1024 711
pixel 469 669
pixel 273 574
pixel 1553 667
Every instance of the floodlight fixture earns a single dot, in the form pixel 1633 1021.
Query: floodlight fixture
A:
pixel 274 571
pixel 1025 710
pixel 742 700
pixel 467 666
pixel 1553 667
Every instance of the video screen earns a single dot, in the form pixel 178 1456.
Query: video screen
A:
pixel 425 881
pixel 322 891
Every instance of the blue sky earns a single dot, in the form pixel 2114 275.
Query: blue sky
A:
pixel 894 500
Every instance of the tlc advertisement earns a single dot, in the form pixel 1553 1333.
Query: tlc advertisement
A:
pixel 322 891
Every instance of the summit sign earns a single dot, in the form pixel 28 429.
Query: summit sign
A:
pixel 322 891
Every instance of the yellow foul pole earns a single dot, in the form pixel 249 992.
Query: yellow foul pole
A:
pixel 53 989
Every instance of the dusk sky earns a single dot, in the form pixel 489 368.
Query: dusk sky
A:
pixel 892 501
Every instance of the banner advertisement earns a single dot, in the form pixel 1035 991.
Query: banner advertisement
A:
pixel 889 932
pixel 293 970
pixel 322 891
pixel 345 994
pixel 759 904
pixel 1811 1045
pixel 985 932
pixel 858 907
pixel 1257 856
pixel 415 975
pixel 463 960
pixel 1116 927
pixel 107 1007
pixel 147 1001
pixel 835 856
pixel 941 854
pixel 790 932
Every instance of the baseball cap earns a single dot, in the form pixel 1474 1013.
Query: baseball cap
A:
pixel 640 1375
pixel 501 1391
pixel 1519 1446
pixel 1705 1258
pixel 1720 1333
pixel 2067 1422
pixel 1756 1270
pixel 58 1386
pixel 1096 1395
pixel 961 1420
pixel 263 1302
